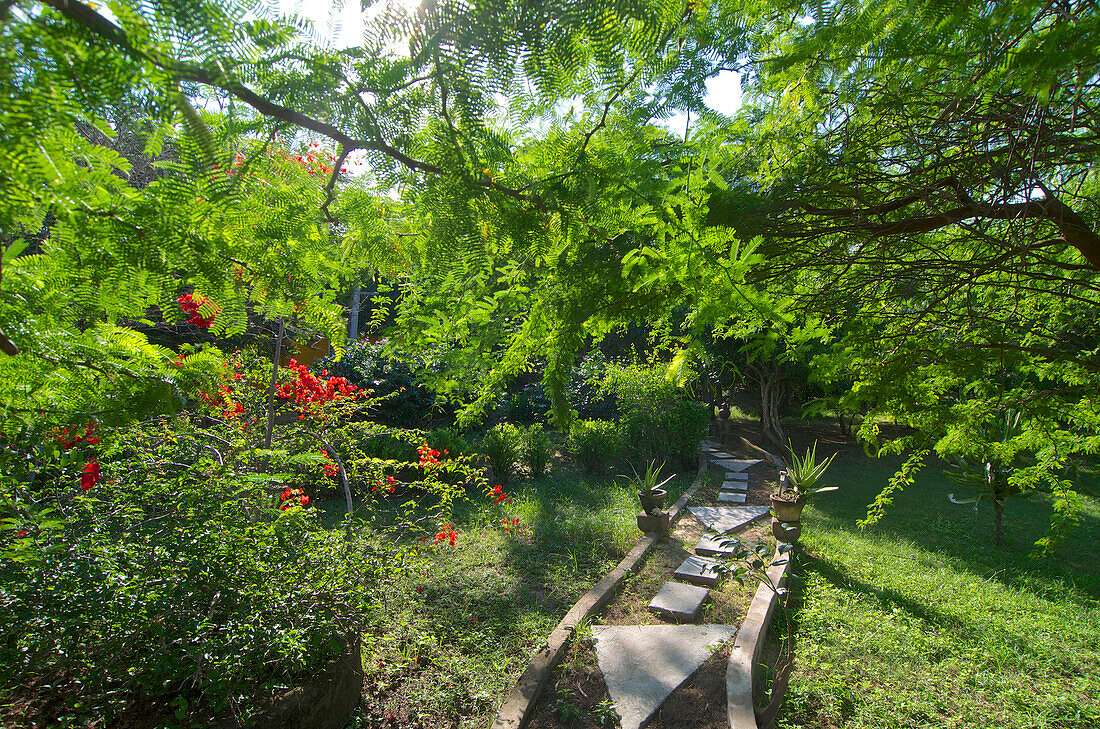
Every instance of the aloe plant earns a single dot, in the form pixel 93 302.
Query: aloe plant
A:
pixel 803 474
pixel 647 483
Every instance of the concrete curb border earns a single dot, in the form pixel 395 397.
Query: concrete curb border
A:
pixel 743 669
pixel 518 705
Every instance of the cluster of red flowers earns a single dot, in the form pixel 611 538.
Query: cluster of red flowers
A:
pixel 389 484
pixel 329 469
pixel 66 442
pixel 446 534
pixel 290 496
pixel 190 304
pixel 499 497
pixel 314 162
pixel 429 457
pixel 509 524
pixel 90 476
pixel 308 389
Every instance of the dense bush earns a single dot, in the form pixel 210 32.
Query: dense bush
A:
pixel 535 450
pixel 584 388
pixel 670 435
pixel 402 398
pixel 528 404
pixel 656 421
pixel 595 444
pixel 174 581
pixel 501 445
pixel 452 441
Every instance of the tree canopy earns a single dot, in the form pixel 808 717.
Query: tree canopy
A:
pixel 906 200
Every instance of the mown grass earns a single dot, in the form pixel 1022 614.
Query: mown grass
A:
pixel 920 621
pixel 454 631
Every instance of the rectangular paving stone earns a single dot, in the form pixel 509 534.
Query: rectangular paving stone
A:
pixel 715 545
pixel 719 455
pixel 679 602
pixel 729 497
pixel 699 571
pixel 740 486
pixel 736 464
pixel 735 476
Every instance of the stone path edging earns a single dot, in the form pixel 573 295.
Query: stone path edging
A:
pixel 516 710
pixel 742 671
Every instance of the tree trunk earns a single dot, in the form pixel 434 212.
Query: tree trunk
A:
pixel 772 390
pixel 353 315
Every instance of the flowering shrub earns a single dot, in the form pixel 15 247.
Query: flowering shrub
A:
pixel 190 305
pixel 310 392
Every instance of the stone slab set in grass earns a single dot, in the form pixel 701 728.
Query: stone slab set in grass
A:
pixel 724 519
pixel 733 476
pixel 736 486
pixel 736 464
pixel 679 602
pixel 643 664
pixel 699 571
pixel 715 545
pixel 729 497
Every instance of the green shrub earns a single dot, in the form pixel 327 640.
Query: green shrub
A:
pixel 669 435
pixel 450 440
pixel 389 446
pixel 501 445
pixel 536 450
pixel 596 444
pixel 639 388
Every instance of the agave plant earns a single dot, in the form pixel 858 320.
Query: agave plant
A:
pixel 647 482
pixel 803 475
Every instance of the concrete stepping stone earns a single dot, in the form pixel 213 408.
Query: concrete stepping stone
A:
pixel 736 464
pixel 740 486
pixel 723 519
pixel 730 497
pixel 643 664
pixel 711 444
pixel 699 571
pixel 719 455
pixel 736 476
pixel 679 602
pixel 715 545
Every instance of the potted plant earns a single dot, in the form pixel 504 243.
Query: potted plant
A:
pixel 798 483
pixel 650 492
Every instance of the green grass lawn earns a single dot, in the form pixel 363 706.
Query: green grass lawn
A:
pixel 455 631
pixel 921 621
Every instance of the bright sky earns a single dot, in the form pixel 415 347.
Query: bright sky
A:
pixel 339 22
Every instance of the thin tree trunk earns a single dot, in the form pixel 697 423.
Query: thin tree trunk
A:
pixel 353 315
pixel 998 521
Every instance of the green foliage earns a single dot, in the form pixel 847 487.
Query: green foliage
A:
pixel 595 444
pixel 175 577
pixel 535 450
pixel 451 440
pixel 402 398
pixel 501 445
pixel 805 472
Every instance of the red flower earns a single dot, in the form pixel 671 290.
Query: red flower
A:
pixel 304 500
pixel 90 475
pixel 23 532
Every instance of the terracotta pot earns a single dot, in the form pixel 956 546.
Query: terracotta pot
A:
pixel 787 511
pixel 654 501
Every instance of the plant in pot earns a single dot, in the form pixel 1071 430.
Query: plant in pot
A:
pixel 651 493
pixel 798 483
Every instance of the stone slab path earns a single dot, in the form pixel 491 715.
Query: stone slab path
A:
pixel 741 486
pixel 699 571
pixel 715 545
pixel 677 601
pixel 736 476
pixel 729 497
pixel 723 519
pixel 643 664
pixel 736 464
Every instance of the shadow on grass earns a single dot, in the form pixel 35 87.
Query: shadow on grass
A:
pixel 923 515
